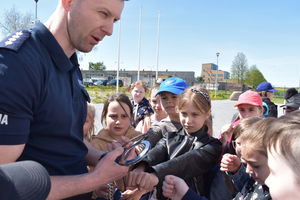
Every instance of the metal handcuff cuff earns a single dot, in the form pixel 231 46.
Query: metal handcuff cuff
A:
pixel 138 140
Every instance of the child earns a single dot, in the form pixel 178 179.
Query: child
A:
pixel 88 127
pixel 190 153
pixel 266 92
pixel 291 104
pixel 176 189
pixel 231 163
pixel 141 106
pixel 169 93
pixel 249 105
pixel 116 117
pixel 282 142
pixel 254 156
pixel 158 115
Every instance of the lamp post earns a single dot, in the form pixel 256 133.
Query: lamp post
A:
pixel 36 1
pixel 216 83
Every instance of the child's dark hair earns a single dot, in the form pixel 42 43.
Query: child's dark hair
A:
pixel 290 92
pixel 120 98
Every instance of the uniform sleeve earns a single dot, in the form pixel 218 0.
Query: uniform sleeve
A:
pixel 18 86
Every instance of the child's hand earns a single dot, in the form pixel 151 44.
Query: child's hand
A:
pixel 226 133
pixel 174 187
pixel 142 180
pixel 230 163
pixel 133 194
pixel 102 191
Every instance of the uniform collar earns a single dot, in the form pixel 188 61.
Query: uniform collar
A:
pixel 60 59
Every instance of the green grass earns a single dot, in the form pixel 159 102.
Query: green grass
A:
pixel 99 94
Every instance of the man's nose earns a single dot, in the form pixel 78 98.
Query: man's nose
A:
pixel 108 28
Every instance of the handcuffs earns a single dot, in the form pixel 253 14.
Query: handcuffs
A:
pixel 138 140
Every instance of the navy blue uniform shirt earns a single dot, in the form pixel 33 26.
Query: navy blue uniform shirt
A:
pixel 42 101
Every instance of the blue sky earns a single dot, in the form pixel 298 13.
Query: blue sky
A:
pixel 192 31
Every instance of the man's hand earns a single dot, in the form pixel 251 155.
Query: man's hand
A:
pixel 108 170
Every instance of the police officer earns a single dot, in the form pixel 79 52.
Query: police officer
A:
pixel 43 102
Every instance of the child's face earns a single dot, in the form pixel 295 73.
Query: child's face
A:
pixel 281 180
pixel 138 93
pixel 270 95
pixel 169 101
pixel 117 120
pixel 247 110
pixel 156 105
pixel 87 124
pixel 256 163
pixel 191 118
pixel 237 147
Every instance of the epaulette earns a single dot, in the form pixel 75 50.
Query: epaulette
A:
pixel 16 40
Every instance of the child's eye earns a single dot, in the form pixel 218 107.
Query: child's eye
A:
pixel 184 114
pixel 113 116
pixel 124 116
pixel 255 166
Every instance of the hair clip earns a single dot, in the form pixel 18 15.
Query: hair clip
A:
pixel 206 96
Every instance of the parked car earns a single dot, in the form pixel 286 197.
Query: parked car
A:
pixel 101 82
pixel 88 82
pixel 114 82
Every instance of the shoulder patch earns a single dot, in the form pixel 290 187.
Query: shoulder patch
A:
pixel 16 40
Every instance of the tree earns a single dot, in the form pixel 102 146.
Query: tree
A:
pixel 199 79
pixel 239 68
pixel 12 20
pixel 97 66
pixel 254 77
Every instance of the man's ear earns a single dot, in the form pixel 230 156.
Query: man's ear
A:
pixel 66 4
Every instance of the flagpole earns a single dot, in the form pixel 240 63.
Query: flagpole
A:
pixel 157 46
pixel 119 46
pixel 139 44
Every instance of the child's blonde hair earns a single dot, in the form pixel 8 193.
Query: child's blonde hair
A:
pixel 243 125
pixel 198 96
pixel 283 136
pixel 253 136
pixel 91 113
pixel 154 88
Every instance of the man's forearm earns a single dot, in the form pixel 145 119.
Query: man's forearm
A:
pixel 68 186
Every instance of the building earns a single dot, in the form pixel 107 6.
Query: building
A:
pixel 208 73
pixel 129 77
